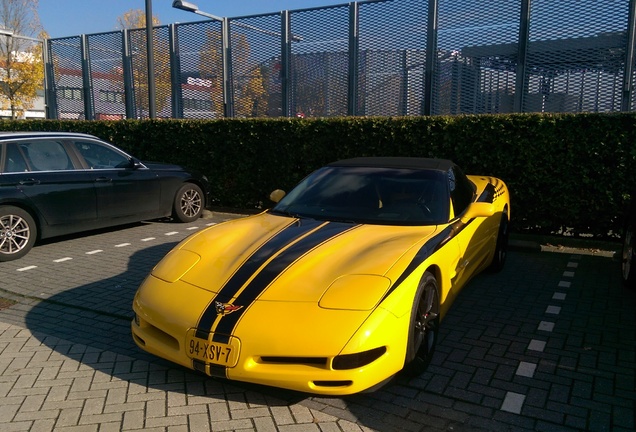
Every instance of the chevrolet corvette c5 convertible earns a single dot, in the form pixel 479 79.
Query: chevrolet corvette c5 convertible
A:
pixel 338 287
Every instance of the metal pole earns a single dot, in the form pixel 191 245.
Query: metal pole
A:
pixel 524 36
pixel 286 63
pixel 152 110
pixel 228 88
pixel 175 73
pixel 431 57
pixel 50 95
pixel 354 46
pixel 129 91
pixel 626 101
pixel 87 88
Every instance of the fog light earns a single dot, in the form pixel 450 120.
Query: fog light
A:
pixel 354 361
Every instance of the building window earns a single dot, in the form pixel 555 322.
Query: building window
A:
pixel 111 96
pixel 70 93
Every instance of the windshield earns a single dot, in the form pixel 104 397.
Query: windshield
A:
pixel 371 195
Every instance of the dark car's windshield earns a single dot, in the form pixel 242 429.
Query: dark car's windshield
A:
pixel 372 195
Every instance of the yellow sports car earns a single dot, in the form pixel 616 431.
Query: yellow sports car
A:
pixel 337 288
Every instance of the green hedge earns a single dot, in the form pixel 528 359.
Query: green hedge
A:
pixel 566 172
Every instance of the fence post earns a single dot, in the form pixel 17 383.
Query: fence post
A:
pixel 522 53
pixel 431 57
pixel 228 90
pixel 626 101
pixel 50 94
pixel 87 84
pixel 354 46
pixel 129 92
pixel 285 64
pixel 175 72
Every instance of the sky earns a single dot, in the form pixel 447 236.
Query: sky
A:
pixel 62 18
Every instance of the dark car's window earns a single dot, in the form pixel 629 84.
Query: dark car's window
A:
pixel 370 195
pixel 46 155
pixel 99 156
pixel 15 160
pixel 461 190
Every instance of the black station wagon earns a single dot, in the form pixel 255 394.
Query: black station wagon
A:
pixel 53 184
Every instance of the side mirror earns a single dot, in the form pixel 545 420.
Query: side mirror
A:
pixel 277 195
pixel 479 209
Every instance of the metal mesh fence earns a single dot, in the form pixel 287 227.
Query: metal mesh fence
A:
pixel 476 56
pixel 257 66
pixel 107 75
pixel 65 56
pixel 200 74
pixel 320 62
pixel 374 57
pixel 576 56
pixel 392 57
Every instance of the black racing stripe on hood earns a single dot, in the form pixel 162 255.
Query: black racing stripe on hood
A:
pixel 431 246
pixel 240 277
pixel 273 270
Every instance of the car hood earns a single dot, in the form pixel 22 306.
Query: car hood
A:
pixel 275 258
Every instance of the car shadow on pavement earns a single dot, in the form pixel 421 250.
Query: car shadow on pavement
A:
pixel 89 325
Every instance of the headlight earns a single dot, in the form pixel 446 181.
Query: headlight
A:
pixel 355 292
pixel 357 360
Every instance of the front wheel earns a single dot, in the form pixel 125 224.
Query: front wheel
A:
pixel 188 203
pixel 424 327
pixel 17 233
pixel 628 262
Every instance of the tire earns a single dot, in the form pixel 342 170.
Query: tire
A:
pixel 17 233
pixel 424 327
pixel 501 247
pixel 188 203
pixel 628 261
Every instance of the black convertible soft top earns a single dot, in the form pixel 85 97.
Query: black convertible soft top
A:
pixel 397 162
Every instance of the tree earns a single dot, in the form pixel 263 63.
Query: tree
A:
pixel 21 65
pixel 135 20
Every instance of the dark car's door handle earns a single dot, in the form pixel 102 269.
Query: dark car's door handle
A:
pixel 29 182
pixel 103 179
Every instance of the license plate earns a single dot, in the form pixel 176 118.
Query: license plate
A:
pixel 212 352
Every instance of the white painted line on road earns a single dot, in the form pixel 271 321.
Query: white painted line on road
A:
pixel 526 369
pixel 553 310
pixel 513 402
pixel 546 326
pixel 27 268
pixel 564 284
pixel 171 233
pixel 147 239
pixel 93 252
pixel 210 224
pixel 558 296
pixel 62 259
pixel 536 345
pixel 122 245
pixel 568 274
pixel 192 228
pixel 573 265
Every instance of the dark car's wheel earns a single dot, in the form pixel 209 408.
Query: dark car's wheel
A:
pixel 423 331
pixel 501 248
pixel 628 263
pixel 17 233
pixel 188 203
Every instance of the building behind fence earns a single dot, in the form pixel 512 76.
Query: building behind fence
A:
pixel 366 58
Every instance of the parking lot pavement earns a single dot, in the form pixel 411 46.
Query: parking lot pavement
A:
pixel 548 344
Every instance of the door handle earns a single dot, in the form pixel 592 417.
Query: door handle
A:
pixel 29 182
pixel 103 179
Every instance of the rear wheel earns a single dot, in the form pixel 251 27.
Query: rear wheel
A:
pixel 17 233
pixel 188 203
pixel 423 331
pixel 501 248
pixel 628 262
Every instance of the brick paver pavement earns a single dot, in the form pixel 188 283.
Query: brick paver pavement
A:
pixel 548 344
